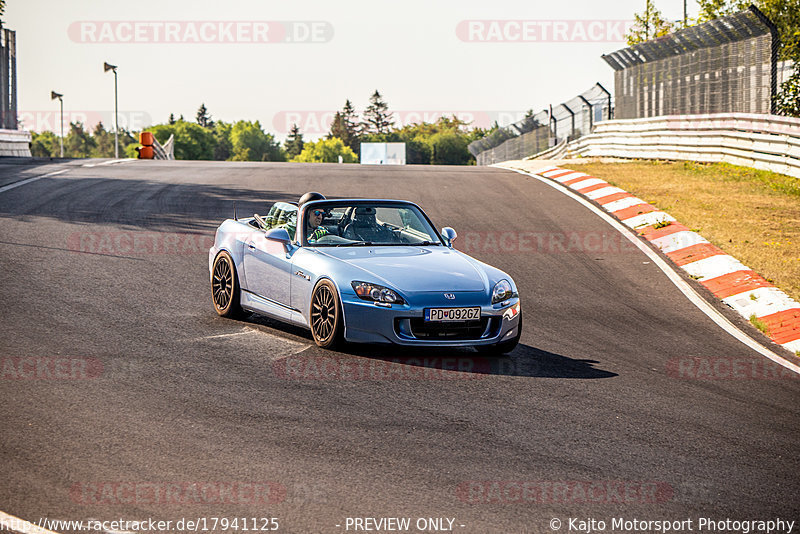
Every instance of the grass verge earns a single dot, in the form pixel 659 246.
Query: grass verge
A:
pixel 752 215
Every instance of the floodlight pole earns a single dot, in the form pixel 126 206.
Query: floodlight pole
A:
pixel 60 97
pixel 107 67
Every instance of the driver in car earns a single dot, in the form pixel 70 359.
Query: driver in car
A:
pixel 314 217
pixel 315 231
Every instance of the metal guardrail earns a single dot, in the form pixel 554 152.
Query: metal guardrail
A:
pixel 769 142
pixel 540 131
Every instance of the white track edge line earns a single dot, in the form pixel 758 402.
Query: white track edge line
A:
pixel 679 282
pixel 15 524
pixel 29 180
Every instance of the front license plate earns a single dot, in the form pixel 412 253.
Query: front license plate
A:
pixel 452 314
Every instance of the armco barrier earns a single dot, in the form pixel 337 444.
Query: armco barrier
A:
pixel 15 143
pixel 769 142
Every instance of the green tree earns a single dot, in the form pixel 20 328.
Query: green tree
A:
pixel 250 143
pixel 294 143
pixel 45 145
pixel 345 126
pixel 103 142
pixel 78 143
pixel 204 118
pixel 377 118
pixel 171 119
pixel 788 98
pixel 434 142
pixel 713 9
pixel 127 139
pixel 449 148
pixel 223 148
pixel 326 151
pixel 192 141
pixel 418 150
pixel 130 150
pixel 648 25
pixel 785 14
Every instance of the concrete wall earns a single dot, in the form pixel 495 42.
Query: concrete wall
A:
pixel 15 143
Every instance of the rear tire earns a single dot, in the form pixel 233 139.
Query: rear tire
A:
pixel 504 347
pixel 225 286
pixel 326 315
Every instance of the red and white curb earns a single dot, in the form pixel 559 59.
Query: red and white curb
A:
pixel 726 277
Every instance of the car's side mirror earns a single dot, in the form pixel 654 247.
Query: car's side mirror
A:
pixel 280 235
pixel 449 235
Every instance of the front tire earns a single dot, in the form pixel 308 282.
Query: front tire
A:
pixel 504 347
pixel 225 286
pixel 326 315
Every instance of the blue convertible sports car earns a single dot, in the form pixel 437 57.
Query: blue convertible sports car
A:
pixel 363 270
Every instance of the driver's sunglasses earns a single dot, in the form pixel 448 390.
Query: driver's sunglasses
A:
pixel 318 213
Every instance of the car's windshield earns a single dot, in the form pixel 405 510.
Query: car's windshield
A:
pixel 363 224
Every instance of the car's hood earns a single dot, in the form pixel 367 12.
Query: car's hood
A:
pixel 411 269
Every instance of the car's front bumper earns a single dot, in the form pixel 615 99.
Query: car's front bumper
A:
pixel 367 322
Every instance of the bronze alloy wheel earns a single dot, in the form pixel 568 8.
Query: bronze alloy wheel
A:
pixel 326 315
pixel 225 286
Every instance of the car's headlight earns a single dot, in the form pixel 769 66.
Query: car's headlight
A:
pixel 376 293
pixel 502 291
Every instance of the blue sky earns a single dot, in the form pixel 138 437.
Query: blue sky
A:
pixel 425 57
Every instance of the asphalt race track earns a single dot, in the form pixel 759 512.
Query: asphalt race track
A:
pixel 123 392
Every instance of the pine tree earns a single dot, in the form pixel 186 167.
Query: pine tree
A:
pixel 350 118
pixel 377 118
pixel 204 118
pixel 294 143
pixel 171 118
pixel 345 126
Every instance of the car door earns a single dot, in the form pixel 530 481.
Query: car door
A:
pixel 306 264
pixel 268 268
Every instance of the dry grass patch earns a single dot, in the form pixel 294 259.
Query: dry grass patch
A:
pixel 752 215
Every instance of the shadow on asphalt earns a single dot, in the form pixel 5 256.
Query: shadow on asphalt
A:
pixel 150 205
pixel 522 361
pixel 377 362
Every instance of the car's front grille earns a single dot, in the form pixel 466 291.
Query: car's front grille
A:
pixel 442 331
